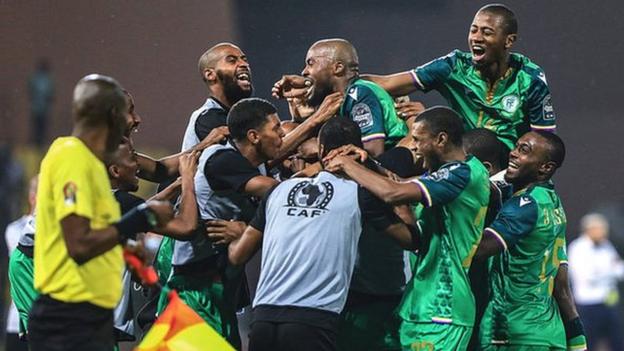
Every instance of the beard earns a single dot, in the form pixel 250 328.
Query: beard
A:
pixel 232 90
pixel 318 94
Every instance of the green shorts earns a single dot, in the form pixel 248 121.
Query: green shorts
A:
pixel 162 263
pixel 434 337
pixel 519 348
pixel 370 326
pixel 23 293
pixel 208 300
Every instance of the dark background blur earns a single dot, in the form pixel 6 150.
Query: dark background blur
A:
pixel 152 49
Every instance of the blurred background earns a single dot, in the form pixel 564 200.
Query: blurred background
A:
pixel 152 48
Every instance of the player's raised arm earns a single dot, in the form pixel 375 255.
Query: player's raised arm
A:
pixel 396 84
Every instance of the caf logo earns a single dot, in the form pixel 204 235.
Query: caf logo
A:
pixel 309 200
pixel 510 103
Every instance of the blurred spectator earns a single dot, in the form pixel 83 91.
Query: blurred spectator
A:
pixel 41 92
pixel 595 268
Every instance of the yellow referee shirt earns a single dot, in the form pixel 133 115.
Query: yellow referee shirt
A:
pixel 73 180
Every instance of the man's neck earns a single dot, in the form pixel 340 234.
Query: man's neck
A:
pixel 217 93
pixel 342 83
pixel 94 138
pixel 249 152
pixel 452 155
pixel 495 71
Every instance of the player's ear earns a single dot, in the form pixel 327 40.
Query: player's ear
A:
pixel 253 136
pixel 487 166
pixel 339 68
pixel 442 139
pixel 510 40
pixel 548 168
pixel 113 170
pixel 209 75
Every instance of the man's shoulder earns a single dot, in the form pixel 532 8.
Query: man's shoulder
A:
pixel 69 151
pixel 528 68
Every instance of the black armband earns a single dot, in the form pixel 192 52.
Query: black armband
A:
pixel 415 231
pixel 161 173
pixel 138 220
pixel 574 328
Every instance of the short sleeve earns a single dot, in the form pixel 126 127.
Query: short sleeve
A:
pixel 562 251
pixel 229 169
pixel 73 190
pixel 516 219
pixel 209 120
pixel 364 109
pixel 434 73
pixel 444 185
pixel 398 160
pixel 374 211
pixel 127 201
pixel 540 111
pixel 259 220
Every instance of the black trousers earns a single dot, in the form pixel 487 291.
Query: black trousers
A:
pixel 55 325
pixel 13 343
pixel 602 322
pixel 278 336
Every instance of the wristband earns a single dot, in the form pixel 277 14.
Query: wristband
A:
pixel 577 343
pixel 575 335
pixel 138 220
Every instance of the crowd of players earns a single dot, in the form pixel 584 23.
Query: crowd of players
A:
pixel 382 224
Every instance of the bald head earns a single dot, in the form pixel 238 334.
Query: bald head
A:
pixel 98 99
pixel 338 50
pixel 209 58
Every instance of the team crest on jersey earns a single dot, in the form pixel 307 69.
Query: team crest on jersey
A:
pixel 361 114
pixel 306 199
pixel 69 193
pixel 547 108
pixel 441 174
pixel 511 103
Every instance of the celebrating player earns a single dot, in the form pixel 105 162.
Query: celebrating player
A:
pixel 438 307
pixel 489 86
pixel 528 239
pixel 331 66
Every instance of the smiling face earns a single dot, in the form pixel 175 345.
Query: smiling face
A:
pixel 270 136
pixel 133 120
pixel 124 169
pixel 488 40
pixel 529 161
pixel 423 145
pixel 319 66
pixel 233 73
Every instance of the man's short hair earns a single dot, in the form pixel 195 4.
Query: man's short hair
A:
pixel 247 114
pixel 556 150
pixel 510 24
pixel 339 131
pixel 484 145
pixel 97 99
pixel 441 119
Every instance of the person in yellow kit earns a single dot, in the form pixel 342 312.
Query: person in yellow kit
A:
pixel 77 256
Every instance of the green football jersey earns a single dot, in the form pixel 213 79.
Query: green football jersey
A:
pixel 372 108
pixel 451 222
pixel 522 311
pixel 516 103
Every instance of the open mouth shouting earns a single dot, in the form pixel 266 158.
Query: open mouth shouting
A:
pixel 243 78
pixel 478 53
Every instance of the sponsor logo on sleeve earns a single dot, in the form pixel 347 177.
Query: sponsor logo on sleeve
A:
pixel 440 174
pixel 524 200
pixel 361 114
pixel 353 93
pixel 69 193
pixel 547 108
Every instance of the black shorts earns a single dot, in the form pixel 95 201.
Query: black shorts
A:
pixel 285 328
pixel 56 325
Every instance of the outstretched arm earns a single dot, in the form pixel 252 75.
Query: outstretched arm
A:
pixel 386 189
pixel 395 84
